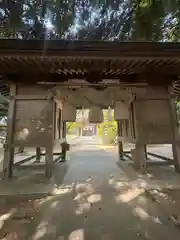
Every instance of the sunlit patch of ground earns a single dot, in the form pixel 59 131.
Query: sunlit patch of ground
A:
pixel 107 147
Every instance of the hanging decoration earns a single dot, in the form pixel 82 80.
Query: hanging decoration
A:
pixel 68 113
pixel 121 110
pixel 96 115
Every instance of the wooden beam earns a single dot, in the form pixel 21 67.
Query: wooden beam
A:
pixel 9 47
pixel 154 76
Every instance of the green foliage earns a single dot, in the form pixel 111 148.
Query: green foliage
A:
pixel 109 127
pixel 72 127
pixel 154 20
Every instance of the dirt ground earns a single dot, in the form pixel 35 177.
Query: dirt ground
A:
pixel 16 214
pixel 169 202
pixel 19 216
pixel 97 198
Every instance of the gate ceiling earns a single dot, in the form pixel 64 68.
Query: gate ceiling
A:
pixel 35 61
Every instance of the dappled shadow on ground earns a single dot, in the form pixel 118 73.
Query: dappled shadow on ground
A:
pixel 93 200
pixel 162 173
pixel 31 181
pixel 88 211
pixel 158 172
pixel 169 200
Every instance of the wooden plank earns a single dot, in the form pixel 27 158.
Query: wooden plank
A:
pixel 160 156
pixel 31 97
pixel 27 159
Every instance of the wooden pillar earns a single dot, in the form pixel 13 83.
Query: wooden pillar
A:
pixel 38 154
pixel 9 148
pixel 175 134
pixel 62 133
pixel 50 139
pixel 49 161
pixel 55 125
pixel 145 151
pixel 63 129
pixel 59 124
pixel 139 157
pixel 64 137
pixel 120 143
pixel 139 154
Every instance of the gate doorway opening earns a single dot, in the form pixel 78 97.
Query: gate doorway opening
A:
pixel 105 131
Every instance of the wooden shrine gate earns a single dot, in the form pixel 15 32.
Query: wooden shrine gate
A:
pixel 133 78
